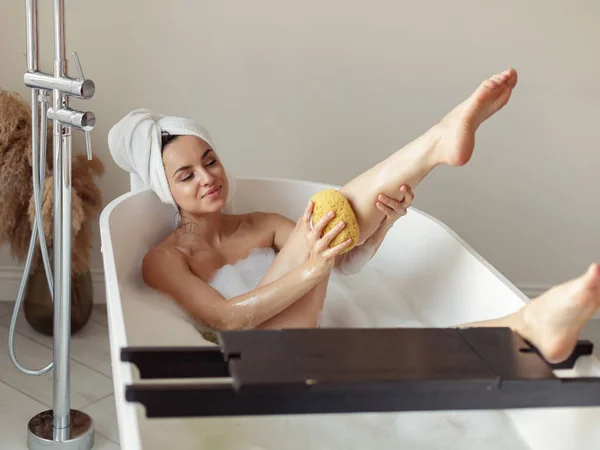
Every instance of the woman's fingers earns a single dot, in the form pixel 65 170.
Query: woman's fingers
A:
pixel 337 250
pixel 393 207
pixel 307 214
pixel 331 234
pixel 409 196
pixel 390 202
pixel 319 227
pixel 384 208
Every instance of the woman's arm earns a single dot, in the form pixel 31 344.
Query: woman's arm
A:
pixel 167 270
pixel 289 241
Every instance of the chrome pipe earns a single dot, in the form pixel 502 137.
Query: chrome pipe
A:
pixel 62 325
pixel 59 398
pixel 62 314
pixel 43 98
pixel 80 119
pixel 32 66
pixel 59 38
pixel 32 35
pixel 83 89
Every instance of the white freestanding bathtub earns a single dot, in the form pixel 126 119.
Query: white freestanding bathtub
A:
pixel 424 274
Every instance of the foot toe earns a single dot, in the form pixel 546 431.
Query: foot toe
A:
pixel 592 275
pixel 513 77
pixel 490 83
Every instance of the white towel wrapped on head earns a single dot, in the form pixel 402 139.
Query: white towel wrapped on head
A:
pixel 135 143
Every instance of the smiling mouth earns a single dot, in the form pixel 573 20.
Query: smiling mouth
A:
pixel 212 191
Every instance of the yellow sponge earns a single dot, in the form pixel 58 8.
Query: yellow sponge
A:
pixel 334 200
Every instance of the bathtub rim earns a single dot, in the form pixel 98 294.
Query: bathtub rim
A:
pixel 122 372
pixel 105 214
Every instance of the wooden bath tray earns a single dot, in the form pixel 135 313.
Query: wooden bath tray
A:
pixel 354 370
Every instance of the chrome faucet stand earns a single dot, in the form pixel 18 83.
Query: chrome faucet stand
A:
pixel 61 427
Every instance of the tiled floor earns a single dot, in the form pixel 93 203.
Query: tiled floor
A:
pixel 23 396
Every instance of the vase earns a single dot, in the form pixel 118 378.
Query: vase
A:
pixel 39 308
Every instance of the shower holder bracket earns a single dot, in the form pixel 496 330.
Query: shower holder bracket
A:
pixel 338 370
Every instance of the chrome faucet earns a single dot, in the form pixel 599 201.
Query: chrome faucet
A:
pixel 55 428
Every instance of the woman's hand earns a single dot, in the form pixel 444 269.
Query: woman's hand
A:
pixel 353 261
pixel 320 257
pixel 392 208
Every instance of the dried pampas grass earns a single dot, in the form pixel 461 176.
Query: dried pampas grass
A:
pixel 17 208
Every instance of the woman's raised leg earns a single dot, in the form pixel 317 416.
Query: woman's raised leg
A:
pixel 450 142
pixel 553 321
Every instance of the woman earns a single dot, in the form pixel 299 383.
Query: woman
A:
pixel 292 290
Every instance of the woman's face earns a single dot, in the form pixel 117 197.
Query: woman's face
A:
pixel 196 176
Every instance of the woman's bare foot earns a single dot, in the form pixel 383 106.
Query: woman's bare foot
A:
pixel 451 141
pixel 552 322
pixel 457 129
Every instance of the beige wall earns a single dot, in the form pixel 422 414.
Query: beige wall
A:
pixel 321 90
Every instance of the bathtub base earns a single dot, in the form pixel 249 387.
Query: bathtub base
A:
pixel 355 370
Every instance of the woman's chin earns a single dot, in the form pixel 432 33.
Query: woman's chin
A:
pixel 213 206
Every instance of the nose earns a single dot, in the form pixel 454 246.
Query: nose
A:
pixel 206 177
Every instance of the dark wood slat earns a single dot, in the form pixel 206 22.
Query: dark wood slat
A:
pixel 506 354
pixel 195 400
pixel 177 362
pixel 336 357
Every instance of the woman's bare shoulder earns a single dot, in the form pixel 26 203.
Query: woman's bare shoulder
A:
pixel 162 256
pixel 175 259
pixel 168 246
pixel 278 226
pixel 258 221
pixel 274 220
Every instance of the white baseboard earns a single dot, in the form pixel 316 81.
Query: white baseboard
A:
pixel 10 280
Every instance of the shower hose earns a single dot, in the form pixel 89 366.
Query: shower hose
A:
pixel 38 166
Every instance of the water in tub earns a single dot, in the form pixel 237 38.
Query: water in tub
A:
pixel 345 307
